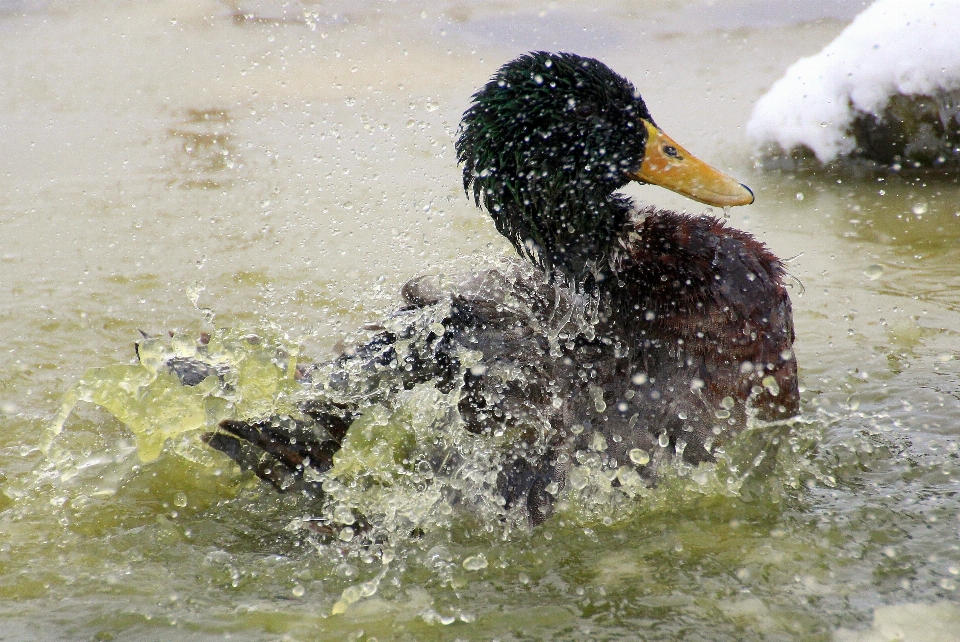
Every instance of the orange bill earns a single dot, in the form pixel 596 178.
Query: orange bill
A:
pixel 669 165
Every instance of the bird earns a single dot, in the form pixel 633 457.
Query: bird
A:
pixel 630 334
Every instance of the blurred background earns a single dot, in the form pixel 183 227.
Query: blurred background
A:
pixel 286 167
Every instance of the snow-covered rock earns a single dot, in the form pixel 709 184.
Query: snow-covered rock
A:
pixel 887 90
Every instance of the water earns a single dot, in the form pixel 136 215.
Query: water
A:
pixel 281 169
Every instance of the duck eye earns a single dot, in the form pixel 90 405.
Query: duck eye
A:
pixel 585 110
pixel 671 151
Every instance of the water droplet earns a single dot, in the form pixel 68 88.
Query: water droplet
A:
pixel 579 478
pixel 639 379
pixel 596 392
pixel 343 515
pixel 770 383
pixel 475 562
pixel 180 500
pixel 629 479
pixel 919 209
pixel 298 591
pixel 351 101
pixel 598 443
pixel 432 106
pixel 439 553
pixel 664 439
pixel 346 534
pixel 873 272
pixel 799 196
pixel 727 403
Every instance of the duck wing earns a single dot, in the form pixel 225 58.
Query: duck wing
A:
pixel 289 451
pixel 493 336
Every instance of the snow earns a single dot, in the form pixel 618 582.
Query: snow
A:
pixel 906 47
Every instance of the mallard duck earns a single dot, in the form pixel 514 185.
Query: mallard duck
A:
pixel 637 335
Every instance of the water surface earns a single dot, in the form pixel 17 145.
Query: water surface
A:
pixel 282 168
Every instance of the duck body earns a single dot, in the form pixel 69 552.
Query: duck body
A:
pixel 675 374
pixel 634 335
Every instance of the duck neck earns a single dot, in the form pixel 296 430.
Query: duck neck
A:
pixel 568 230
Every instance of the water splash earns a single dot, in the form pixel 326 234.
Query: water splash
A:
pixel 246 376
pixel 408 470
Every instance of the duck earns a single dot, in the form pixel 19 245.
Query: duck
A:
pixel 636 335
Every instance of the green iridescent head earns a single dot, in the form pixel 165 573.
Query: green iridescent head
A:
pixel 546 144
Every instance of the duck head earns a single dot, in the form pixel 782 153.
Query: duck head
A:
pixel 546 144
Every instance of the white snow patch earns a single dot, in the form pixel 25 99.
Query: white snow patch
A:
pixel 908 47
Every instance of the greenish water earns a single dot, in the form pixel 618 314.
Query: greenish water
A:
pixel 252 169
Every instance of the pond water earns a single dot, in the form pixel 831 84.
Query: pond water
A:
pixel 281 168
